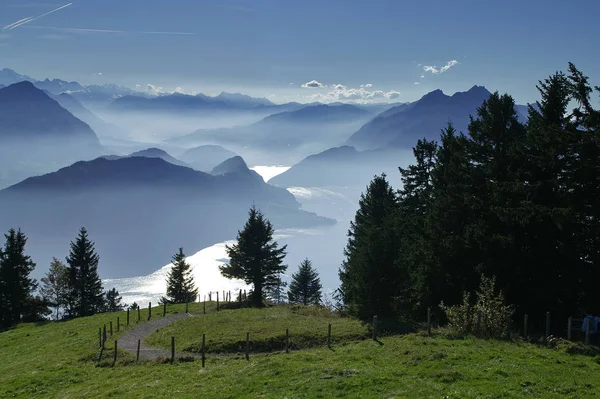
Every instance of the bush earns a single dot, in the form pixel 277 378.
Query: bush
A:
pixel 495 315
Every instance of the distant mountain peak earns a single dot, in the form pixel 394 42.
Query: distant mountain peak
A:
pixel 232 165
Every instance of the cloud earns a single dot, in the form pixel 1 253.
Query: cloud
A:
pixel 27 20
pixel 422 76
pixel 154 90
pixel 417 83
pixel 99 74
pixel 88 30
pixel 436 71
pixel 340 92
pixel 313 84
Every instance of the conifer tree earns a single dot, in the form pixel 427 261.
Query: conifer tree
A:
pixel 55 286
pixel 16 285
pixel 369 274
pixel 113 301
pixel 86 295
pixel 305 287
pixel 255 258
pixel 276 292
pixel 180 282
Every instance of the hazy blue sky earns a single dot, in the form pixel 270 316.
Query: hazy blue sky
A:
pixel 273 47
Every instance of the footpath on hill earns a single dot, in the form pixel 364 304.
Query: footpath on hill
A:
pixel 128 342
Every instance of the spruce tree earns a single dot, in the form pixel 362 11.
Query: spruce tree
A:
pixel 55 286
pixel 255 258
pixel 180 282
pixel 369 274
pixel 86 295
pixel 113 301
pixel 305 287
pixel 276 292
pixel 16 285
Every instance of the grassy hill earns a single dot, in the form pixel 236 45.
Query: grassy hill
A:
pixel 50 360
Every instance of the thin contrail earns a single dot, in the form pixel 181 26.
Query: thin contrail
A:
pixel 87 30
pixel 30 19
pixel 16 23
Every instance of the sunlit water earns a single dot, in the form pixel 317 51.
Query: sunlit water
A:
pixel 269 172
pixel 323 246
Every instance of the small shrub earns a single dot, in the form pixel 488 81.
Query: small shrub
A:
pixel 495 315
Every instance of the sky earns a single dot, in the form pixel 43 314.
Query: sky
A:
pixel 309 50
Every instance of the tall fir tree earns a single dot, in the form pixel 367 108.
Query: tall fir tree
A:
pixel 86 295
pixel 305 287
pixel 414 264
pixel 256 258
pixel 55 286
pixel 369 274
pixel 180 282
pixel 16 285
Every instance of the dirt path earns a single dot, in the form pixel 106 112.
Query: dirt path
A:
pixel 128 341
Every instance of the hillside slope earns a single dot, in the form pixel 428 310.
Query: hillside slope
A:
pixel 58 360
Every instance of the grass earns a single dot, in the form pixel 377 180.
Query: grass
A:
pixel 56 360
pixel 226 330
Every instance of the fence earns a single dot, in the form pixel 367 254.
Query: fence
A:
pixel 572 325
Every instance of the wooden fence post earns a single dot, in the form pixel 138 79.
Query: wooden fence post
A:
pixel 229 297
pixel 100 336
pixel 137 355
pixel 111 329
pixel 164 309
pixel 429 320
pixel 525 324
pixel 186 307
pixel 104 336
pixel 374 328
pixel 203 349
pixel 287 340
pixel 204 305
pixel 217 301
pixel 118 324
pixel 247 345
pixel 329 336
pixel 587 331
pixel 149 310
pixel 240 296
pixel 479 323
pixel 115 355
pixel 172 349
pixel 547 324
pixel 139 317
pixel 569 328
pixel 128 316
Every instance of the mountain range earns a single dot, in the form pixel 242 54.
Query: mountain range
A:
pixel 139 210
pixel 282 136
pixel 403 125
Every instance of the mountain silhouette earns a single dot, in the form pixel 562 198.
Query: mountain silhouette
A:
pixel 403 125
pixel 139 210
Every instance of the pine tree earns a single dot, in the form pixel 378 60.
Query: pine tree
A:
pixel 255 258
pixel 275 293
pixel 86 295
pixel 305 287
pixel 113 301
pixel 369 275
pixel 180 282
pixel 16 286
pixel 55 286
